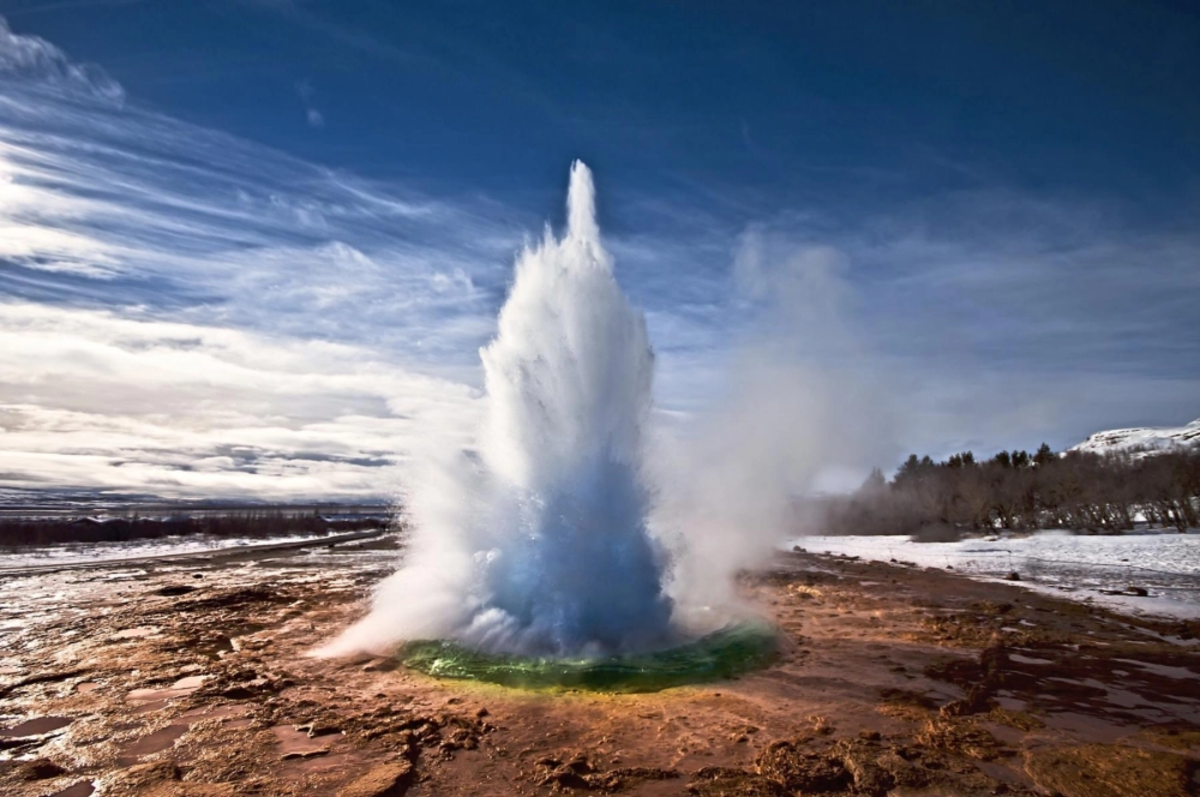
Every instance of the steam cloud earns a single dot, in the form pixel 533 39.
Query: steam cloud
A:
pixel 573 530
pixel 538 542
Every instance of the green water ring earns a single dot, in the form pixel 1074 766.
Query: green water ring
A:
pixel 730 651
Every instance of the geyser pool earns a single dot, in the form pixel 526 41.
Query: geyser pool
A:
pixel 721 654
pixel 531 557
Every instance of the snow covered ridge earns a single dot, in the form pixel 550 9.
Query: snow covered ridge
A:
pixel 1145 440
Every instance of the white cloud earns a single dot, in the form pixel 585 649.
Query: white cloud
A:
pixel 185 313
pixel 33 58
pixel 89 399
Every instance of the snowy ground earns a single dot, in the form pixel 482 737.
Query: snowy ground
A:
pixel 1167 565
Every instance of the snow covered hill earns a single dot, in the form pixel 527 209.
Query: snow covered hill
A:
pixel 1146 439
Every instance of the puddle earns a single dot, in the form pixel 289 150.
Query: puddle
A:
pixel 136 633
pixel 296 744
pixel 1126 699
pixel 153 743
pixel 1017 657
pixel 214 713
pixel 1162 669
pixel 339 761
pixel 181 688
pixel 36 727
pixel 1085 725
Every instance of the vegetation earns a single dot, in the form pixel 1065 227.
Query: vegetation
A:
pixel 1015 490
pixel 254 524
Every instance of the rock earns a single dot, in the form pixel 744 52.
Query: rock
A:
pixel 315 729
pixel 381 664
pixel 304 754
pixel 41 769
pixel 564 777
pixel 1103 770
pixel 1141 592
pixel 644 773
pixel 580 763
pixel 385 780
pixel 184 789
pixel 954 736
pixel 902 772
pixel 804 772
pixel 1013 576
pixel 869 777
pixel 140 777
pixel 728 782
pixel 174 590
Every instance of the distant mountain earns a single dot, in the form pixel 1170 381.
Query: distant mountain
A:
pixel 1147 440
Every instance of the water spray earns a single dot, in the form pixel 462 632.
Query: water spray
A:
pixel 531 559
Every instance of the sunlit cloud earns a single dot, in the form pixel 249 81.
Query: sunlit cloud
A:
pixel 189 314
pixel 91 399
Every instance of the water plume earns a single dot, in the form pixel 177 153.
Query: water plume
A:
pixel 537 543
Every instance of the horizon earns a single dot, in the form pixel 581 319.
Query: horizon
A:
pixel 252 248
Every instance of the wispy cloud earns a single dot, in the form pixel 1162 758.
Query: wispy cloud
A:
pixel 308 94
pixel 175 294
pixel 34 59
pixel 999 318
pixel 189 313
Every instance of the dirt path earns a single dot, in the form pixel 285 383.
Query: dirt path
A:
pixel 189 679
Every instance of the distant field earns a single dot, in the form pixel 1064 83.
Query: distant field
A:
pixel 41 525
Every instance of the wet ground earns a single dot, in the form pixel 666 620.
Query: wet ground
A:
pixel 189 678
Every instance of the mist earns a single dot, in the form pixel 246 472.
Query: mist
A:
pixel 803 410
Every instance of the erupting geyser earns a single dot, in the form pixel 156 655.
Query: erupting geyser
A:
pixel 531 561
pixel 537 544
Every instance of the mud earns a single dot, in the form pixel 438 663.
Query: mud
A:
pixel 892 680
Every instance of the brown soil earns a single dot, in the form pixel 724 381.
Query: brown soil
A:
pixel 191 680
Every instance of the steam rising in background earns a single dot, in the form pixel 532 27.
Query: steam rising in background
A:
pixel 803 409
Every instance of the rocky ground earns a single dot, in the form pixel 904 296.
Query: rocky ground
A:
pixel 189 678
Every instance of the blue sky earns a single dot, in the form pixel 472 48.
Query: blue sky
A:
pixel 251 247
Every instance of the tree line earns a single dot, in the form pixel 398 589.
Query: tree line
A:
pixel 1016 490
pixel 252 524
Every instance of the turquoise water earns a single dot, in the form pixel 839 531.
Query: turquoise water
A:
pixel 723 654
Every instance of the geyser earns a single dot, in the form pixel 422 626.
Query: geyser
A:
pixel 537 543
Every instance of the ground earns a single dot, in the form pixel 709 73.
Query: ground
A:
pixel 190 678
